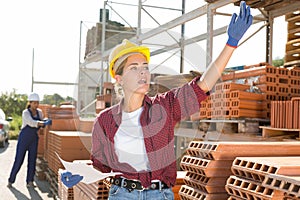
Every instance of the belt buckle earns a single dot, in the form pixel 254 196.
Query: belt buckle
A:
pixel 134 187
pixel 141 189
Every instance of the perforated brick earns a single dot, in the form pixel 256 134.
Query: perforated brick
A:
pixel 246 95
pixel 209 168
pixel 257 168
pixel 206 184
pixel 287 184
pixel 247 189
pixel 231 150
pixel 189 193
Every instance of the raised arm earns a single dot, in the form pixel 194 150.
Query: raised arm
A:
pixel 236 29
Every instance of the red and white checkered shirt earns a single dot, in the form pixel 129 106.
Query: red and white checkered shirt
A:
pixel 158 119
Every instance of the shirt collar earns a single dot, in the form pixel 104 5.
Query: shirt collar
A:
pixel 117 110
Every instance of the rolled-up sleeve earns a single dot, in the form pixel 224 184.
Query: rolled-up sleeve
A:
pixel 187 99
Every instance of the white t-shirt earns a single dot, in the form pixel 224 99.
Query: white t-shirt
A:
pixel 129 141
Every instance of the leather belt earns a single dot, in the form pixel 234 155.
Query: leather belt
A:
pixel 136 185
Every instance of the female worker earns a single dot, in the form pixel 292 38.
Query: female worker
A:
pixel 136 136
pixel 28 140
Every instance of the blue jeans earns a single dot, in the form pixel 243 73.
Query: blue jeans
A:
pixel 121 193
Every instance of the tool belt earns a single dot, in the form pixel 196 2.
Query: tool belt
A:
pixel 136 185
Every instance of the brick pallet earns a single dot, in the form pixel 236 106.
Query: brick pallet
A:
pixel 285 119
pixel 208 164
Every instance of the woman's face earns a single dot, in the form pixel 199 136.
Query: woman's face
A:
pixel 34 104
pixel 136 75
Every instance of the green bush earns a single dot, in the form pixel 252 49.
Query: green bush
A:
pixel 15 126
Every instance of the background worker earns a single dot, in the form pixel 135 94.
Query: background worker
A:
pixel 28 140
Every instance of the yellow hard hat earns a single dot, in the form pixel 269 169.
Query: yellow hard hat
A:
pixel 126 47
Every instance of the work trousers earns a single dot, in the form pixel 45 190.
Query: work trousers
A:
pixel 27 141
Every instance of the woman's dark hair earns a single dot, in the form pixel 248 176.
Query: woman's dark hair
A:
pixel 121 67
pixel 118 88
pixel 28 105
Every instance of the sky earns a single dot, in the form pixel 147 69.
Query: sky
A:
pixel 52 30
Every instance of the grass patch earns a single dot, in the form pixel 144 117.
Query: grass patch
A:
pixel 15 126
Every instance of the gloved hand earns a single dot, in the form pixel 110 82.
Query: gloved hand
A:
pixel 239 26
pixel 70 180
pixel 47 122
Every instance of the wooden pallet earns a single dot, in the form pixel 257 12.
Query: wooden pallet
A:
pixel 274 132
pixel 242 125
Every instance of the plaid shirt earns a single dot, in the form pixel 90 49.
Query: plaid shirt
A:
pixel 158 119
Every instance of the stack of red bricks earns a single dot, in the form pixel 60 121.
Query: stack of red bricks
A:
pixel 64 118
pixel 70 146
pixel 233 100
pixel 286 114
pixel 208 166
pixel 267 83
pixel 292 55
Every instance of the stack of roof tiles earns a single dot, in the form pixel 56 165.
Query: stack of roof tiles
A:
pixel 208 165
pixel 249 173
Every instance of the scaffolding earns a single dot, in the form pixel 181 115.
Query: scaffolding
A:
pixel 268 12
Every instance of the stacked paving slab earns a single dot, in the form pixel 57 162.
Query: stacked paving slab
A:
pixel 208 165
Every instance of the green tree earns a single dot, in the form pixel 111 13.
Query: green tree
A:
pixel 54 99
pixel 13 103
pixel 278 62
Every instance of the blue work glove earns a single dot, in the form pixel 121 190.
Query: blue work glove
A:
pixel 70 180
pixel 47 122
pixel 239 25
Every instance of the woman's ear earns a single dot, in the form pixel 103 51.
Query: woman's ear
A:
pixel 119 79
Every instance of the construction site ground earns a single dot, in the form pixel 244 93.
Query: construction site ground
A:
pixel 19 190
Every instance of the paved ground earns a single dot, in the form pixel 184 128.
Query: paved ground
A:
pixel 19 190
